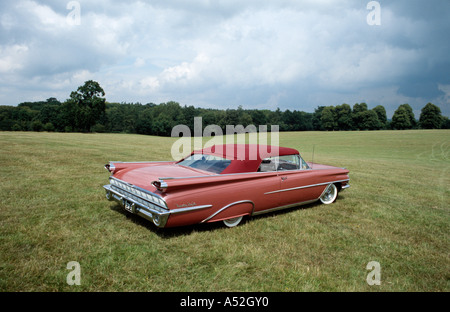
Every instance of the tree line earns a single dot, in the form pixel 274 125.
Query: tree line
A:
pixel 86 110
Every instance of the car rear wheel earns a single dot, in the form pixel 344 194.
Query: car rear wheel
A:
pixel 329 195
pixel 233 221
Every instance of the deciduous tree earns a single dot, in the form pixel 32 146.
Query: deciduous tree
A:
pixel 344 117
pixel 382 116
pixel 430 117
pixel 328 118
pixel 87 105
pixel 401 119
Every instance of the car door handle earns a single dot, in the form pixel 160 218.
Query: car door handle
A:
pixel 283 178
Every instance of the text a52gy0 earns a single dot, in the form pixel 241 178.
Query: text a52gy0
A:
pixel 246 302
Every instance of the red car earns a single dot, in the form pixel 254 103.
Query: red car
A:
pixel 222 183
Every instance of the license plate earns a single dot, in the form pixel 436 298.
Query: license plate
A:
pixel 130 207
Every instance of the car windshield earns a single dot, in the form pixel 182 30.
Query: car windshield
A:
pixel 205 162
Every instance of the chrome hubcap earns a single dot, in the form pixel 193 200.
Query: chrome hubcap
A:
pixel 329 195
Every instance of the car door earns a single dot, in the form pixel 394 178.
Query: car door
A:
pixel 296 181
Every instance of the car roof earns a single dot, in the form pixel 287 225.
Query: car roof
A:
pixel 245 157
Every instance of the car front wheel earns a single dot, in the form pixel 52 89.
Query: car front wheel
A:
pixel 329 195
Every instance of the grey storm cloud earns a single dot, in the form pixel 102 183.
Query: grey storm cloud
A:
pixel 258 54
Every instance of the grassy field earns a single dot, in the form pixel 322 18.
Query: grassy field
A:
pixel 53 211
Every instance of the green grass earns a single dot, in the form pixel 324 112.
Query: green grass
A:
pixel 53 211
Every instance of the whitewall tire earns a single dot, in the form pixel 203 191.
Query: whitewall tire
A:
pixel 233 221
pixel 329 195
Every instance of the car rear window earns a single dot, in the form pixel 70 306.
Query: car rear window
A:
pixel 206 162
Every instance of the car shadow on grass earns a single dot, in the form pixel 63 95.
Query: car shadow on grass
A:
pixel 168 233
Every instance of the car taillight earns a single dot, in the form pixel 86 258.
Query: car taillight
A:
pixel 160 185
pixel 110 167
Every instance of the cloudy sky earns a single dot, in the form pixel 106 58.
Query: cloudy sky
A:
pixel 261 54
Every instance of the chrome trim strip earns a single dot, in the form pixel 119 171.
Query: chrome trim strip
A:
pixel 193 208
pixel 244 173
pixel 306 186
pixel 191 177
pixel 284 207
pixel 215 175
pixel 141 162
pixel 228 206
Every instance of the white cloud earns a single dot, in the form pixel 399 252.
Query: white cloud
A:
pixel 150 83
pixel 45 15
pixel 223 53
pixel 10 58
pixel 139 62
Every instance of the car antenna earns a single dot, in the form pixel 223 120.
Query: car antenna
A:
pixel 312 161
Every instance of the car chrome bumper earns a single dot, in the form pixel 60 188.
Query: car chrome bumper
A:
pixel 158 217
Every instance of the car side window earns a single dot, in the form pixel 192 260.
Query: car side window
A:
pixel 288 162
pixel 281 163
pixel 267 165
pixel 303 163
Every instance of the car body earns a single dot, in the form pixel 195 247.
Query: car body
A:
pixel 222 183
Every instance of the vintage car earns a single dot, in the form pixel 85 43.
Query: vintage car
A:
pixel 222 183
